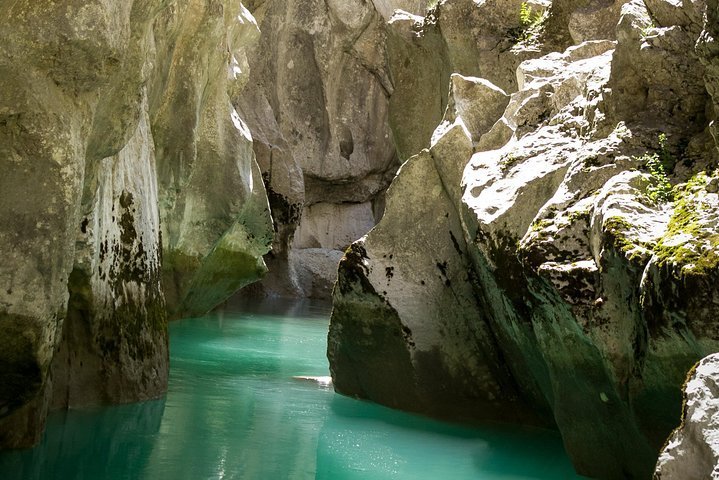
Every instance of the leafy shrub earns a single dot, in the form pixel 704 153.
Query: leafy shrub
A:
pixel 531 24
pixel 659 165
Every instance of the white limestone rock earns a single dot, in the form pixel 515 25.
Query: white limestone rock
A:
pixel 115 122
pixel 315 270
pixel 317 103
pixel 114 346
pixel 388 7
pixel 405 290
pixel 215 216
pixel 692 451
pixel 598 292
pixel 333 226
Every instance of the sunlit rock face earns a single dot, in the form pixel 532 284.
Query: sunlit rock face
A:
pixel 559 263
pixel 317 103
pixel 692 451
pixel 126 174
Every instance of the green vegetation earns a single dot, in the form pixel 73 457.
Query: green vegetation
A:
pixel 659 165
pixel 539 225
pixel 531 24
pixel 690 243
pixel 698 253
pixel 617 232
pixel 508 161
pixel 617 228
pixel 525 14
pixel 647 30
pixel 582 215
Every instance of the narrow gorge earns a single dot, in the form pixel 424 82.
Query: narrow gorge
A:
pixel 513 206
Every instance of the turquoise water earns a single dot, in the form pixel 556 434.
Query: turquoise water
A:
pixel 233 411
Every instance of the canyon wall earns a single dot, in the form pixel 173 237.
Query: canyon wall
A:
pixel 546 254
pixel 551 258
pixel 318 105
pixel 130 190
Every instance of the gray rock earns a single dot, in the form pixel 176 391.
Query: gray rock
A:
pixel 404 329
pixel 113 124
pixel 58 63
pixel 692 452
pixel 594 278
pixel 213 238
pixel 318 140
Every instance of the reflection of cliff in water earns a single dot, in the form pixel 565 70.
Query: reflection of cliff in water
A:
pixel 361 440
pixel 90 444
pixel 233 408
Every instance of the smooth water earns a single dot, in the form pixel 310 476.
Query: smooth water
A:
pixel 233 410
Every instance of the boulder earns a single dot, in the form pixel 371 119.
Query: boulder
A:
pixel 692 451
pixel 404 329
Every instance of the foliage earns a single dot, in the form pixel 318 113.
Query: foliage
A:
pixel 509 161
pixel 525 14
pixel 531 24
pixel 659 165
pixel 648 29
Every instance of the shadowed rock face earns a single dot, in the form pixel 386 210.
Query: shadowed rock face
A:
pixel 126 174
pixel 215 217
pixel 547 264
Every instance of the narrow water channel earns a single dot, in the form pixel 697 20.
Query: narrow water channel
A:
pixel 234 411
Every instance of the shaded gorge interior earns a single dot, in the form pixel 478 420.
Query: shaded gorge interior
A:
pixel 511 206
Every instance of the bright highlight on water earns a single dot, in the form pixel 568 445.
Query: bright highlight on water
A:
pixel 250 398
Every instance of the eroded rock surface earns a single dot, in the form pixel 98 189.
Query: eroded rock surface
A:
pixel 319 140
pixel 692 451
pixel 319 105
pixel 582 286
pixel 123 162
pixel 216 220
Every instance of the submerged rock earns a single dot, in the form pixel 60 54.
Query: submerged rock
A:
pixel 576 283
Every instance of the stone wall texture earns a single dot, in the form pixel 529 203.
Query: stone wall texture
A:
pixel 130 193
pixel 551 257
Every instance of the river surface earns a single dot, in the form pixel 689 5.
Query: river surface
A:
pixel 234 411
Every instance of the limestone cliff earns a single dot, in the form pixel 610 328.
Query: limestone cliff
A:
pixel 552 256
pixel 127 175
pixel 547 252
pixel 318 105
pixel 692 451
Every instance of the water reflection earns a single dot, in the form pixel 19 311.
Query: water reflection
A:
pixel 362 440
pixel 89 444
pixel 234 410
